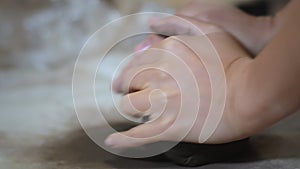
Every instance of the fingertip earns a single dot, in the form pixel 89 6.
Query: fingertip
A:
pixel 116 85
pixel 152 21
pixel 109 141
pixel 118 140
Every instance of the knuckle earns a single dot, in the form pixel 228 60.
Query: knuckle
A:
pixel 127 106
pixel 170 43
pixel 207 16
pixel 166 122
pixel 212 16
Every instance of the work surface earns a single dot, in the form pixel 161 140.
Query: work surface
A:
pixel 278 147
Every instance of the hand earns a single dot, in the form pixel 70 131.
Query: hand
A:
pixel 252 32
pixel 150 88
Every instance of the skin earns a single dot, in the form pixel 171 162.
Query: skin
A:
pixel 260 91
pixel 275 96
pixel 252 32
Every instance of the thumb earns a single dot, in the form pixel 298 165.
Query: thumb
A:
pixel 181 25
pixel 140 135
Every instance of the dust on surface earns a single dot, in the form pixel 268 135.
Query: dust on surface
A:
pixel 76 149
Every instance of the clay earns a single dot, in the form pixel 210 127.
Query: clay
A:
pixel 190 154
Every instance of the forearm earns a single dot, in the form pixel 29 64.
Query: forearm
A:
pixel 271 88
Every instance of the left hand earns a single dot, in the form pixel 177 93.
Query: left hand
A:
pixel 143 79
pixel 251 31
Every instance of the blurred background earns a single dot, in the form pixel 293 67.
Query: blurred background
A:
pixel 39 44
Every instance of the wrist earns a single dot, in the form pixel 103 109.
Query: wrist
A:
pixel 240 113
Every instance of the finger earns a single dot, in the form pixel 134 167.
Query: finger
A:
pixel 144 73
pixel 236 22
pixel 133 80
pixel 137 136
pixel 245 28
pixel 194 7
pixel 136 104
pixel 148 42
pixel 118 82
pixel 181 25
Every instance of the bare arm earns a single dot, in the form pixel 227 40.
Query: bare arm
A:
pixel 271 88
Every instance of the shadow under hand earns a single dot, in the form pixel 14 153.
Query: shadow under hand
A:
pixel 77 149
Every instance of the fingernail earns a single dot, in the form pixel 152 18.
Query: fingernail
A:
pixel 143 46
pixel 109 142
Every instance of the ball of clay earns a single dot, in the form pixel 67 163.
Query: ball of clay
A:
pixel 191 154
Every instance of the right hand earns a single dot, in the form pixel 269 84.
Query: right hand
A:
pixel 252 32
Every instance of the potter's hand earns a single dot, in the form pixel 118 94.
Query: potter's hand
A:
pixel 251 31
pixel 255 97
pixel 155 81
